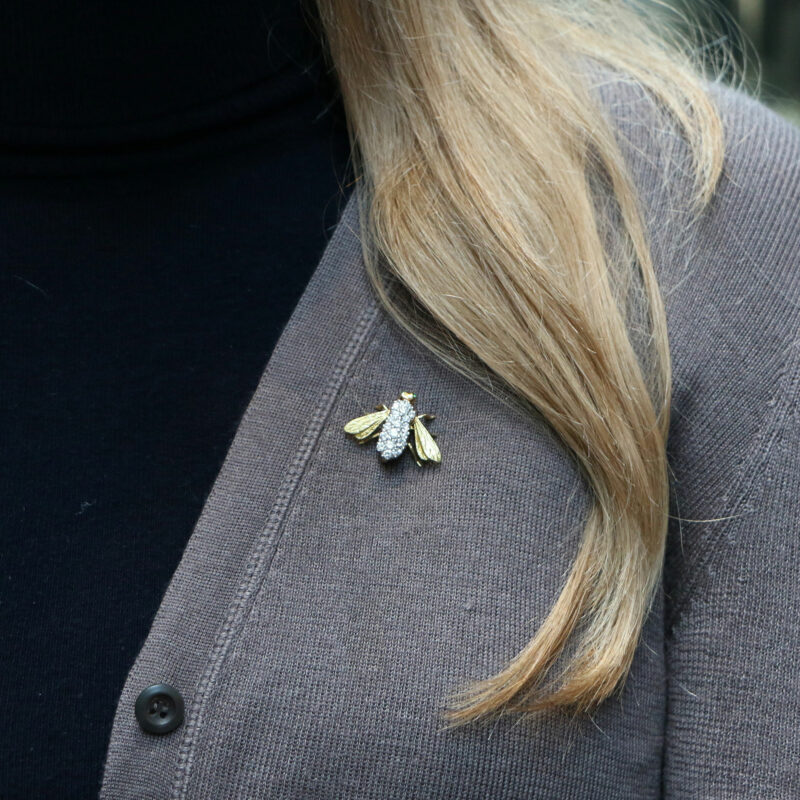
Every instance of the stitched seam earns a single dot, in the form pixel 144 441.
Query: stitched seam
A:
pixel 786 381
pixel 784 403
pixel 257 562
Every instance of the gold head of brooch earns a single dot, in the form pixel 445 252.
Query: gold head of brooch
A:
pixel 396 428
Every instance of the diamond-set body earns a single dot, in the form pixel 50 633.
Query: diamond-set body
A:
pixel 394 434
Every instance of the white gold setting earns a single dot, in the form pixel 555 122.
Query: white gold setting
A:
pixel 394 433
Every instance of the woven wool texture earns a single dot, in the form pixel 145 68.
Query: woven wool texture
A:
pixel 327 602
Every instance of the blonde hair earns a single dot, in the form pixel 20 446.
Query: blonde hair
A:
pixel 479 147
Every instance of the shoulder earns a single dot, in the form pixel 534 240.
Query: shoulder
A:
pixel 748 239
pixel 730 277
pixel 757 203
pixel 730 281
pixel 762 149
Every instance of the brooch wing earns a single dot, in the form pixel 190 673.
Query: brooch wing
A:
pixel 363 427
pixel 426 447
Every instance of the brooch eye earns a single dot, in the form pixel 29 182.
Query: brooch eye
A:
pixel 396 428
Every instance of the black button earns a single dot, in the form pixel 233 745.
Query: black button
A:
pixel 159 708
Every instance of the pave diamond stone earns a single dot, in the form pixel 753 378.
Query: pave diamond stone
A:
pixel 394 433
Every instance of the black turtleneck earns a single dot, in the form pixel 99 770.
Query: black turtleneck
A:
pixel 169 175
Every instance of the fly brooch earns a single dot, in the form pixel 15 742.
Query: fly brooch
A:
pixel 396 428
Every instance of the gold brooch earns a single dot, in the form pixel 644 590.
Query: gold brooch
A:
pixel 393 428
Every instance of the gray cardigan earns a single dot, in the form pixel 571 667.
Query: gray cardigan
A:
pixel 327 602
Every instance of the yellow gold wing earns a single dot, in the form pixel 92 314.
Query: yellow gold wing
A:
pixel 363 427
pixel 427 449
